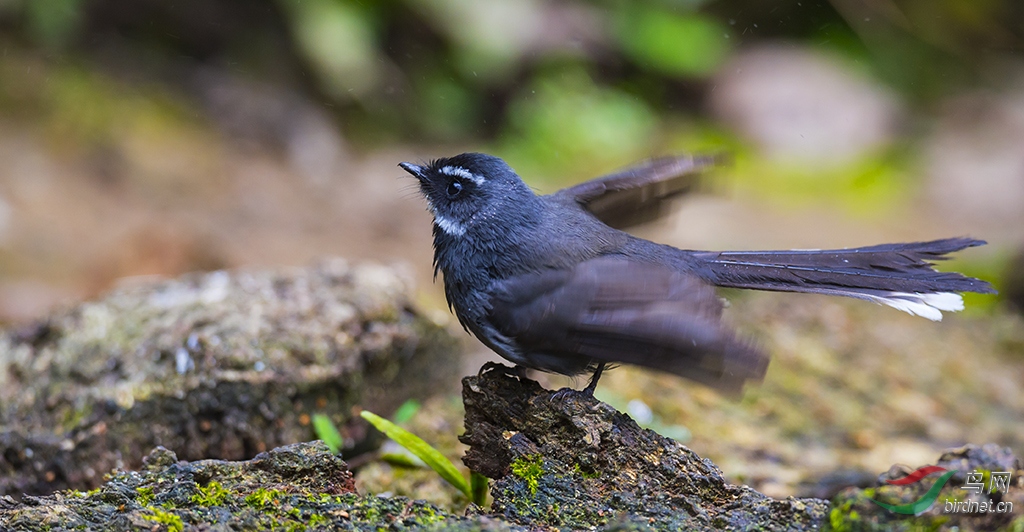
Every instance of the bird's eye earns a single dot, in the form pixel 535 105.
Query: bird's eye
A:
pixel 454 188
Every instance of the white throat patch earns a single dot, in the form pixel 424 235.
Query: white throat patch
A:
pixel 449 226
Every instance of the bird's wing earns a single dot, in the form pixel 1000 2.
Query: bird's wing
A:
pixel 612 309
pixel 638 193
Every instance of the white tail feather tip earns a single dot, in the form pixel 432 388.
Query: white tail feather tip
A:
pixel 925 305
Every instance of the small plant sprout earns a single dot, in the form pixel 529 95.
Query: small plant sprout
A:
pixel 474 489
pixel 326 431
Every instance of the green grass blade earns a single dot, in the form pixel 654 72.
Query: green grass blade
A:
pixel 403 459
pixel 421 449
pixel 478 483
pixel 326 431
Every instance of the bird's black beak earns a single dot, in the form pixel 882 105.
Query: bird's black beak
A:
pixel 414 169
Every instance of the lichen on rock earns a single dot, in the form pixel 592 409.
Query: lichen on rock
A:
pixel 565 459
pixel 215 365
pixel 296 487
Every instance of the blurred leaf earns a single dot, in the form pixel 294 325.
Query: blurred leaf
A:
pixel 565 125
pixel 701 136
pixel 82 105
pixel 406 411
pixel 446 109
pixel 328 432
pixel 421 449
pixel 865 187
pixel 685 45
pixel 53 22
pixel 490 37
pixel 337 38
pixel 85 105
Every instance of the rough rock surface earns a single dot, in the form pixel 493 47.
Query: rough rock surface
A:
pixel 565 459
pixel 561 460
pixel 297 487
pixel 218 365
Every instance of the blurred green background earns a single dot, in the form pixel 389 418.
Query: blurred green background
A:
pixel 154 137
pixel 868 108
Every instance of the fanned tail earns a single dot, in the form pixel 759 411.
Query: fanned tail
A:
pixel 898 275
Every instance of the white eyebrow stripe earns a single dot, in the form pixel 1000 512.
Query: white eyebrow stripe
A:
pixel 458 171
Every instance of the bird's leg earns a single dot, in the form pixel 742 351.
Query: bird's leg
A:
pixel 589 390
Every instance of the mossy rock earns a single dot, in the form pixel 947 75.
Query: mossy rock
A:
pixel 217 365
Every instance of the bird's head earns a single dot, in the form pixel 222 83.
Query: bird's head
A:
pixel 467 188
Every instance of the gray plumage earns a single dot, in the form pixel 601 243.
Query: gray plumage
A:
pixel 546 283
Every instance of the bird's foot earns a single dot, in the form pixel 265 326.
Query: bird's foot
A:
pixel 588 392
pixel 564 394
